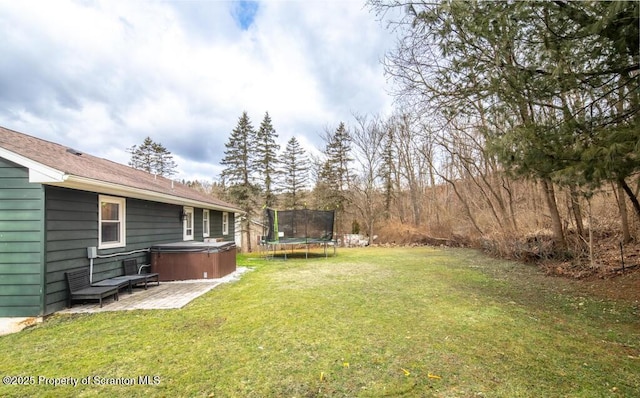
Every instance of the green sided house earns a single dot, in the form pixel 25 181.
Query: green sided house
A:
pixel 59 207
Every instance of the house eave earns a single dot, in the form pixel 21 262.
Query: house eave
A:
pixel 38 172
pixel 109 188
pixel 42 174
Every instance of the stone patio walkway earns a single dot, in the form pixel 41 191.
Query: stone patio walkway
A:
pixel 169 295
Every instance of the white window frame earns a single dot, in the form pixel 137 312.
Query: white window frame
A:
pixel 122 211
pixel 188 220
pixel 225 223
pixel 205 223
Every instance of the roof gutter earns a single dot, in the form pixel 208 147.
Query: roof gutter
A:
pixel 42 174
pixel 109 188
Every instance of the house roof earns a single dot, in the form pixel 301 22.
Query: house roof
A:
pixel 54 164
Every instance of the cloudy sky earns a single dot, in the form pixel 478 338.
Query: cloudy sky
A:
pixel 100 76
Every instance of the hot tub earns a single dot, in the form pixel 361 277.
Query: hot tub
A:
pixel 193 260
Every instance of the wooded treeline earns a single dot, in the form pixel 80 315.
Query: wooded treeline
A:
pixel 515 121
pixel 504 99
pixel 517 94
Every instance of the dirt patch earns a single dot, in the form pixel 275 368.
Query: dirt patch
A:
pixel 610 259
pixel 613 274
pixel 619 287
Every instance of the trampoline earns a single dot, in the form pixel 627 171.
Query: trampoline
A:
pixel 288 228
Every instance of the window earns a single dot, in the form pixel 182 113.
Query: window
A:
pixel 225 223
pixel 188 223
pixel 111 219
pixel 205 223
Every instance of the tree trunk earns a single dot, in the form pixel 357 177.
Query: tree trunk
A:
pixel 556 222
pixel 248 231
pixel 632 197
pixel 534 194
pixel 465 205
pixel 577 212
pixel 624 218
pixel 370 231
pixel 415 204
pixel 506 186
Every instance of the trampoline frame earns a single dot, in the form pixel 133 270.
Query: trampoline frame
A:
pixel 272 229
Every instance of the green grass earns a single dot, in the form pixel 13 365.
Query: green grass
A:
pixel 373 322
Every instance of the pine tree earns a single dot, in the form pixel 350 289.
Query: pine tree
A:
pixel 335 171
pixel 239 170
pixel 387 168
pixel 338 158
pixel 152 157
pixel 295 168
pixel 164 163
pixel 266 162
pixel 332 185
pixel 239 154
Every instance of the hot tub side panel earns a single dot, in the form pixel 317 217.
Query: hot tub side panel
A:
pixel 175 266
pixel 226 262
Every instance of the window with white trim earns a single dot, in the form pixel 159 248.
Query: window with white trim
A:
pixel 205 223
pixel 225 223
pixel 187 223
pixel 111 222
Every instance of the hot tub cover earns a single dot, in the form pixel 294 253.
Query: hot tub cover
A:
pixel 192 246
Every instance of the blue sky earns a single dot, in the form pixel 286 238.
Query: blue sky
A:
pixel 102 75
pixel 245 12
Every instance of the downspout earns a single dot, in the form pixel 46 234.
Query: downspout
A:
pixel 43 256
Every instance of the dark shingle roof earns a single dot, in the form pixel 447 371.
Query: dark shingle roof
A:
pixel 99 170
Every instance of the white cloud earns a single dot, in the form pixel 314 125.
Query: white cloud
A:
pixel 103 75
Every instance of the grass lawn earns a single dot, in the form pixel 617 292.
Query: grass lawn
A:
pixel 371 322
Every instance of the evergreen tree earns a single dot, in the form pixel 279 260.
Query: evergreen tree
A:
pixel 164 163
pixel 266 162
pixel 238 172
pixel 295 168
pixel 387 168
pixel 336 168
pixel 333 177
pixel 239 154
pixel 152 157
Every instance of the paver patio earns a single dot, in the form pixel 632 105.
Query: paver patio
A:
pixel 168 295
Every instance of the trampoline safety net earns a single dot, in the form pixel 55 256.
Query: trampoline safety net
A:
pixel 299 226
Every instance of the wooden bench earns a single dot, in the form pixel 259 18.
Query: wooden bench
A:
pixel 80 288
pixel 115 282
pixel 131 270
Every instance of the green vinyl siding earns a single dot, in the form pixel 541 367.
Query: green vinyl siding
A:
pixel 216 226
pixel 10 269
pixel 197 225
pixel 72 227
pixel 150 223
pixel 21 242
